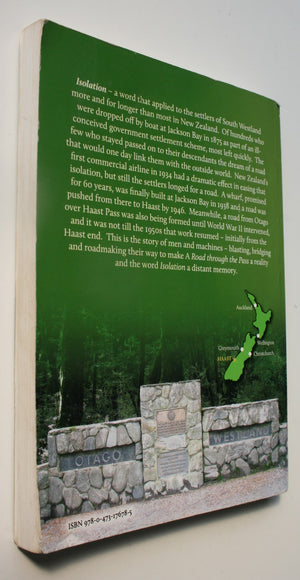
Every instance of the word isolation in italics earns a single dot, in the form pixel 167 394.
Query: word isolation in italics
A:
pixel 158 186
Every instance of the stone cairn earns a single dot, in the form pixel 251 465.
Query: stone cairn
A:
pixel 174 447
pixel 171 437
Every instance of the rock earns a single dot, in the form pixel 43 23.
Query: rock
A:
pixel 248 446
pixel 120 478
pixel 148 441
pixel 89 444
pixel 55 490
pixel 46 512
pixel 275 455
pixel 147 394
pixel 253 458
pixel 135 475
pixel 210 456
pixel 124 497
pixel 149 458
pixel 146 412
pixel 134 431
pixel 160 403
pixel 221 414
pixel 274 410
pixel 148 487
pixel 52 453
pixel 175 483
pixel 108 470
pixel 195 480
pixel 192 390
pixel 113 497
pixel 282 451
pixel 59 511
pixel 264 460
pixel 207 420
pixel 195 432
pixel 107 483
pixel 101 438
pixel 62 443
pixel 112 437
pixel 283 435
pixel 93 431
pixel 253 413
pixel 193 406
pixel 194 446
pixel 43 497
pixel 221 454
pixel 205 440
pixel 43 479
pixel 96 479
pixel 220 424
pixel 69 478
pixel 193 419
pixel 138 492
pixel 274 440
pixel 225 471
pixel 263 414
pixel 275 426
pixel 150 474
pixel 82 481
pixel 161 486
pixel 266 446
pixel 233 417
pixel 122 436
pixel 72 498
pixel 149 425
pixel 232 466
pixel 211 472
pixel 176 393
pixel 244 418
pixel 138 451
pixel 76 439
pixel 234 452
pixel 86 507
pixel 165 402
pixel 98 496
pixel 195 462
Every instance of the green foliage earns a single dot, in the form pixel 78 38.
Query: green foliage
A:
pixel 265 379
pixel 90 368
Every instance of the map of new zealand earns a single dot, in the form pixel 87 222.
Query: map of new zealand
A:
pixel 236 367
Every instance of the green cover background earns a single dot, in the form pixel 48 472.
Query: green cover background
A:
pixel 81 281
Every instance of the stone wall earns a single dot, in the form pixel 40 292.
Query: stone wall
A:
pixel 282 446
pixel 174 447
pixel 171 437
pixel 239 439
pixel 91 467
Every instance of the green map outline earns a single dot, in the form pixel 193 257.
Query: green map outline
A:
pixel 236 367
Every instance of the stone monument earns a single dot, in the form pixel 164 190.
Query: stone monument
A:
pixel 171 437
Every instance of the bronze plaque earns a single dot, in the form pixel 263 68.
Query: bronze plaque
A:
pixel 173 462
pixel 171 422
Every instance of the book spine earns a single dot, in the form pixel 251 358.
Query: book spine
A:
pixel 26 514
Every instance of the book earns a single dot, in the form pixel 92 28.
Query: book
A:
pixel 150 309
